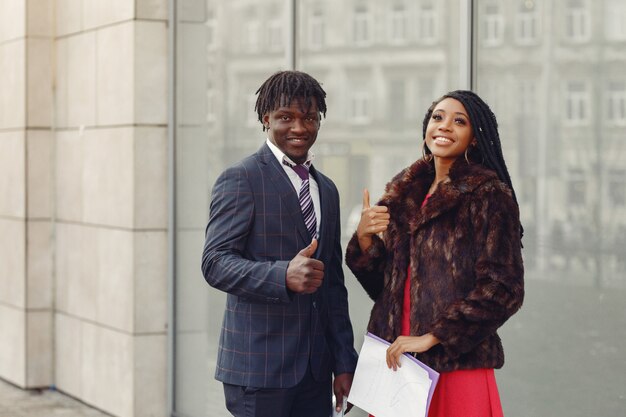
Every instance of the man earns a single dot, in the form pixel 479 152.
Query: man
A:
pixel 273 244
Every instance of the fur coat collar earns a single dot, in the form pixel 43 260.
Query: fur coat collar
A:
pixel 407 191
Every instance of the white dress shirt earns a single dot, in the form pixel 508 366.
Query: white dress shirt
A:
pixel 296 181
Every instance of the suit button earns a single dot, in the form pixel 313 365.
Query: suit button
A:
pixel 314 304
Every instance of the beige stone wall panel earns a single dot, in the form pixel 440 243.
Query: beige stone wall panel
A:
pixel 98 13
pixel 152 9
pixel 69 17
pixel 83 187
pixel 12 84
pixel 39 83
pixel 12 174
pixel 12 19
pixel 114 276
pixel 150 182
pixel 150 380
pixel 39 175
pixel 12 267
pixel 40 18
pixel 68 354
pixel 108 177
pixel 39 256
pixel 39 349
pixel 69 162
pixel 150 73
pixel 81 80
pixel 115 63
pixel 12 355
pixel 60 83
pixel 107 369
pixel 76 261
pixel 150 285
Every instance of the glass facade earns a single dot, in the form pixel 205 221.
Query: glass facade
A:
pixel 556 82
pixel 553 72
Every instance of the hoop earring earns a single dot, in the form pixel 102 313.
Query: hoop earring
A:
pixel 466 158
pixel 426 157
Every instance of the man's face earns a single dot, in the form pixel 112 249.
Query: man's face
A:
pixel 292 130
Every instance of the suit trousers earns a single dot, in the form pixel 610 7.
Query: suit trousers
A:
pixel 309 398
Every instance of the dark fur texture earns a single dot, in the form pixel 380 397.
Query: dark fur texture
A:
pixel 466 264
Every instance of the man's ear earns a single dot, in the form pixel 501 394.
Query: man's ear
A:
pixel 266 119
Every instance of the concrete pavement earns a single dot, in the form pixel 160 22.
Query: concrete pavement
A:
pixel 16 402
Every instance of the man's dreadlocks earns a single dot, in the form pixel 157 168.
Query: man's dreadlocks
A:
pixel 285 86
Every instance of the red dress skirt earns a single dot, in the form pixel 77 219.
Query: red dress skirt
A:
pixel 465 393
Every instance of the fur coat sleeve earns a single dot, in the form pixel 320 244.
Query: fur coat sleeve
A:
pixel 369 266
pixel 498 288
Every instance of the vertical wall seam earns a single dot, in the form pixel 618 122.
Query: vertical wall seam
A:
pixel 171 198
pixel 25 133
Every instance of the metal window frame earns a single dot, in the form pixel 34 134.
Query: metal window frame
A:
pixel 467 44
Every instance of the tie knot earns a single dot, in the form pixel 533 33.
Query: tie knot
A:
pixel 302 171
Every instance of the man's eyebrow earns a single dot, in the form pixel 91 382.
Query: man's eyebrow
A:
pixel 290 111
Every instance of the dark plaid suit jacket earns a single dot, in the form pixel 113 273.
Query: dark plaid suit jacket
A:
pixel 269 334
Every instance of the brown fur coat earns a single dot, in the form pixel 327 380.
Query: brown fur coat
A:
pixel 465 261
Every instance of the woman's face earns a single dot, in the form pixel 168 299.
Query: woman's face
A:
pixel 449 131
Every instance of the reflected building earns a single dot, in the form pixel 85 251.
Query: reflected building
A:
pixel 552 71
pixel 381 70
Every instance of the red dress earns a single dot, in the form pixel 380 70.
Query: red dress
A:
pixel 465 393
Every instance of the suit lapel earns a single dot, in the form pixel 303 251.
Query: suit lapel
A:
pixel 283 186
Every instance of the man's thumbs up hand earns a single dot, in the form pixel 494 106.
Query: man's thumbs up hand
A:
pixel 309 250
pixel 304 273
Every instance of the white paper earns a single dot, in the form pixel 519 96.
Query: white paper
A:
pixel 341 412
pixel 384 392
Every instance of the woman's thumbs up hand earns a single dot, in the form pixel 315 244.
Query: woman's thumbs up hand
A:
pixel 374 220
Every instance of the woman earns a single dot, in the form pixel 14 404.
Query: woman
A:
pixel 441 256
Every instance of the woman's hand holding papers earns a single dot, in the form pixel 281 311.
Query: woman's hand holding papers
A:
pixel 404 344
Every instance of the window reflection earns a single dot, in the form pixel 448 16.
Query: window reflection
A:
pixel 527 22
pixel 556 83
pixel 616 102
pixel 361 30
pixel 577 102
pixel 317 30
pixel 553 73
pixel 577 20
pixel 428 27
pixel 615 16
pixel 493 24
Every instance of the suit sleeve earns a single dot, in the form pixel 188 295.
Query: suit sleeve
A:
pixel 340 334
pixel 224 265
pixel 499 287
pixel 368 267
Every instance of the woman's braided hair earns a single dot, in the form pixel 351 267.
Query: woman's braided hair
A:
pixel 285 86
pixel 488 149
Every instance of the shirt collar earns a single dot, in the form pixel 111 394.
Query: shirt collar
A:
pixel 282 158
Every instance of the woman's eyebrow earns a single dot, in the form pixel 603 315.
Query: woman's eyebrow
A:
pixel 458 112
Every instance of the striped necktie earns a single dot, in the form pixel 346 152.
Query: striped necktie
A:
pixel 306 202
